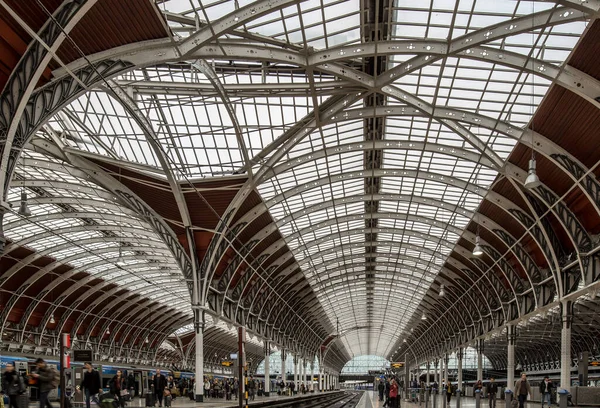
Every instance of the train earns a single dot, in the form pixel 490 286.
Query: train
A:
pixel 74 375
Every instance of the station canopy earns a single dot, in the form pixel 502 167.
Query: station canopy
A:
pixel 327 159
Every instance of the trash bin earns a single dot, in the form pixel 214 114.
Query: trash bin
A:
pixel 563 398
pixel 508 396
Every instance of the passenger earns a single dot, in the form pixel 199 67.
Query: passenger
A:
pixel 394 394
pixel 448 388
pixel 381 389
pixel 13 385
pixel 206 388
pixel 522 390
pixel 47 378
pixel 116 384
pixel 478 386
pixel 130 385
pixel 387 402
pixel 90 384
pixel 160 382
pixel 492 390
pixel 546 391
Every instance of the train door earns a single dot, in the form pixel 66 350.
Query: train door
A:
pixel 139 383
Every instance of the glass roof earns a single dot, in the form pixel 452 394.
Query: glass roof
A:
pixel 372 197
pixel 78 223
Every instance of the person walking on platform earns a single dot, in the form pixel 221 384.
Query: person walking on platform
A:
pixel 90 384
pixel 394 400
pixel 13 385
pixel 381 389
pixel 160 382
pixel 387 394
pixel 448 389
pixel 546 391
pixel 206 388
pixel 130 385
pixel 492 390
pixel 522 390
pixel 47 378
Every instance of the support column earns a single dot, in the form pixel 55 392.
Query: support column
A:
pixel 427 368
pixel 199 372
pixel 565 345
pixel 438 372
pixel 480 344
pixel 312 374
pixel 446 362
pixel 459 354
pixel 283 372
pixel 303 372
pixel 320 378
pixel 510 358
pixel 582 368
pixel 267 369
pixel 295 373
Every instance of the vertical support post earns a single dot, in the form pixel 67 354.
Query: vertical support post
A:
pixel 459 355
pixel 480 344
pixel 312 374
pixel 242 367
pixel 320 377
pixel 267 389
pixel 199 364
pixel 565 346
pixel 65 343
pixel 407 375
pixel 446 362
pixel 303 372
pixel 510 366
pixel 295 373
pixel 582 368
pixel 283 370
pixel 428 367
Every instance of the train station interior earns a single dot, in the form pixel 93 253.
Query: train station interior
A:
pixel 334 194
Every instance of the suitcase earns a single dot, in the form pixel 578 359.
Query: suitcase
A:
pixel 149 399
pixel 168 400
pixel 191 395
pixel 23 401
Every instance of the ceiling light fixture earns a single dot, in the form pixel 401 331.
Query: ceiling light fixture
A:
pixel 107 331
pixel 477 251
pixel 424 317
pixel 442 290
pixel 24 208
pixel 532 181
pixel 52 321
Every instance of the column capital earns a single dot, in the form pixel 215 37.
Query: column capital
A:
pixel 511 334
pixel 459 353
pixel 567 313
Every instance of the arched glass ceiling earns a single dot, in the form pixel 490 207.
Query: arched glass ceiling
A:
pixel 78 223
pixel 374 192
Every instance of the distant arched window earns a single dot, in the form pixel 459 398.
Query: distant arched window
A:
pixel 364 364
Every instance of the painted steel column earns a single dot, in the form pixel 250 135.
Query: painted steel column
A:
pixel 428 367
pixel 295 372
pixel 320 378
pixel 438 372
pixel 446 362
pixel 283 373
pixel 480 343
pixel 199 372
pixel 565 345
pixel 312 374
pixel 303 372
pixel 459 354
pixel 267 370
pixel 510 358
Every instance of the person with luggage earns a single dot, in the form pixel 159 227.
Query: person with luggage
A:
pixel 492 390
pixel 90 384
pixel 13 386
pixel 47 380
pixel 394 400
pixel 160 382
pixel 522 390
pixel 116 385
pixel 167 397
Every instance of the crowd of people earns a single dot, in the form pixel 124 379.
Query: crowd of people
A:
pixel 389 389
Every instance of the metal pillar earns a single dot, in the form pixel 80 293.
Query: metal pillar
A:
pixel 199 372
pixel 267 390
pixel 303 372
pixel 480 344
pixel 283 372
pixel 312 375
pixel 407 375
pixel 320 378
pixel 295 373
pixel 428 367
pixel 446 362
pixel 565 346
pixel 241 366
pixel 582 368
pixel 459 355
pixel 510 366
